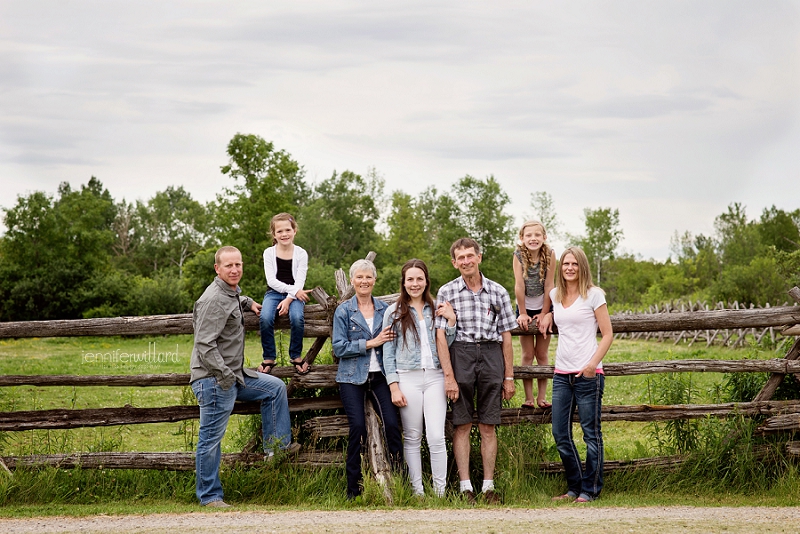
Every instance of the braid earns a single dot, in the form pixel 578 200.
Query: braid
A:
pixel 526 258
pixel 544 261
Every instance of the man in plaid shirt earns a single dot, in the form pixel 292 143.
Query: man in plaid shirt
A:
pixel 479 363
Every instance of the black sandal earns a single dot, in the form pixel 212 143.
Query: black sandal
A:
pixel 268 365
pixel 298 366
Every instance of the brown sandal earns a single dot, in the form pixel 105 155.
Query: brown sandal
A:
pixel 298 366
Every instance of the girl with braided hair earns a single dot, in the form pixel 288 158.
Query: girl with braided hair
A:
pixel 534 267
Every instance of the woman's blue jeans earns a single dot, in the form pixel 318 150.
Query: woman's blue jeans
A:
pixel 297 321
pixel 587 394
pixel 353 398
pixel 216 405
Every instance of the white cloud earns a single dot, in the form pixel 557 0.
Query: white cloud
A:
pixel 653 107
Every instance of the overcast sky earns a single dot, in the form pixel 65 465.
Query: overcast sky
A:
pixel 666 110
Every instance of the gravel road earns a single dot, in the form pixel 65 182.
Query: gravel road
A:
pixel 568 518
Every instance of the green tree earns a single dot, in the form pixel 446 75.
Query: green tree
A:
pixel 780 229
pixel 406 239
pixel 757 283
pixel 603 235
pixel 174 227
pixel 441 218
pixel 738 238
pixel 338 226
pixel 545 213
pixel 406 229
pixel 127 236
pixel 484 218
pixel 53 249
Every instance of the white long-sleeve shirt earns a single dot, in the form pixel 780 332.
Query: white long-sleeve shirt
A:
pixel 299 270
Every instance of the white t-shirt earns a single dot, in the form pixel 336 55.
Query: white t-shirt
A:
pixel 426 355
pixel 374 364
pixel 577 331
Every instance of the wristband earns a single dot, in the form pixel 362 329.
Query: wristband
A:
pixel 509 378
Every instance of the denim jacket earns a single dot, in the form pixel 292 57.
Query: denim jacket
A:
pixel 350 335
pixel 406 354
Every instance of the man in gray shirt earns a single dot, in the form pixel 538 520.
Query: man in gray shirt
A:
pixel 219 378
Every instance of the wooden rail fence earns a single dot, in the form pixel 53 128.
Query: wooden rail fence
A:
pixel 782 416
pixel 728 337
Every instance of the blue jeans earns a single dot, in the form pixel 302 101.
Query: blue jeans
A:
pixel 353 398
pixel 216 405
pixel 297 321
pixel 587 393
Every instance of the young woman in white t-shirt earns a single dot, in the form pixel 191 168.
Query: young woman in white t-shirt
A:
pixel 579 310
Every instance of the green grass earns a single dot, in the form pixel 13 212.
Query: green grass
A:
pixel 727 477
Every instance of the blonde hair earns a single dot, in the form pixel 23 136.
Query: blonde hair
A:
pixel 526 256
pixel 584 274
pixel 281 217
pixel 224 250
pixel 363 265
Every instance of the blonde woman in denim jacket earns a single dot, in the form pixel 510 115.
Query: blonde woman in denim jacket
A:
pixel 414 374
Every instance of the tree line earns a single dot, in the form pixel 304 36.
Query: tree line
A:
pixel 80 253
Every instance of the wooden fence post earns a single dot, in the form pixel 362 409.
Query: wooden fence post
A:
pixel 376 452
pixel 776 379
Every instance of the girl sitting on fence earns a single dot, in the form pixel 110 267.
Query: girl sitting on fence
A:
pixel 579 309
pixel 285 265
pixel 534 265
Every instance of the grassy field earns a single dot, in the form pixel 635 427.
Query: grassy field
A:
pixel 129 356
pixel 102 491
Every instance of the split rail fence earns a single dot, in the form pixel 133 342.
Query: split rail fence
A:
pixel 781 416
pixel 727 337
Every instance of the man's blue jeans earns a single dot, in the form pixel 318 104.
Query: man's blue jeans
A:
pixel 297 321
pixel 587 393
pixel 216 405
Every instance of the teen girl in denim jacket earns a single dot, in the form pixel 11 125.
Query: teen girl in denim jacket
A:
pixel 414 374
pixel 358 341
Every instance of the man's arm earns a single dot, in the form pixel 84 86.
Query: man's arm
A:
pixel 443 351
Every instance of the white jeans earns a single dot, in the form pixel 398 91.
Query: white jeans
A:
pixel 424 392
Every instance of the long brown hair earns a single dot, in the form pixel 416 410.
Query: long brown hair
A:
pixel 527 257
pixel 281 217
pixel 584 274
pixel 402 318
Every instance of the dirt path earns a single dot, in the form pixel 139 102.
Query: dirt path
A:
pixel 659 520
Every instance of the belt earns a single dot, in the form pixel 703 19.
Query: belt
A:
pixel 479 342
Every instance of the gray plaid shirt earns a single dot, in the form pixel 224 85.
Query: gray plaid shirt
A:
pixel 481 316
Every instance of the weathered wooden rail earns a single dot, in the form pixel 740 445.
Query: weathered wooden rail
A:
pixel 318 323
pixel 730 337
